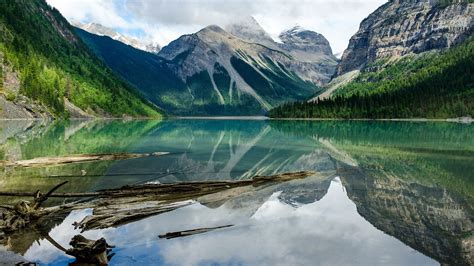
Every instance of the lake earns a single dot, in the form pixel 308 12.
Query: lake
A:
pixel 382 193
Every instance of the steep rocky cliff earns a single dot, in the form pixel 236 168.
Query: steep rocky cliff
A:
pixel 401 27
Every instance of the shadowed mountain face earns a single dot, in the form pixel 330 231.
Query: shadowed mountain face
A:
pixel 390 184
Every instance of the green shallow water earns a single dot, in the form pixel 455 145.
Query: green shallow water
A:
pixel 384 192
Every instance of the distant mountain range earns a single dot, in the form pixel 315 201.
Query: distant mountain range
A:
pixel 408 59
pixel 99 29
pixel 241 71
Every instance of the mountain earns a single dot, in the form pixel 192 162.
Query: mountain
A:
pixel 248 29
pixel 148 72
pixel 244 71
pixel 99 29
pixel 211 72
pixel 310 47
pixel 48 71
pixel 409 59
pixel 312 50
pixel 401 27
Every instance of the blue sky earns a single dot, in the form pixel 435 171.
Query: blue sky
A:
pixel 162 21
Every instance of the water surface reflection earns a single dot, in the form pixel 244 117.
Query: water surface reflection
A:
pixel 383 193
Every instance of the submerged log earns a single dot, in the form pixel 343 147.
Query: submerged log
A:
pixel 173 190
pixel 191 232
pixel 78 158
pixel 90 252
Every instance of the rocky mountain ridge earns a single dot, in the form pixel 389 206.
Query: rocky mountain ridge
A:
pixel 401 27
pixel 303 45
pixel 249 69
pixel 238 71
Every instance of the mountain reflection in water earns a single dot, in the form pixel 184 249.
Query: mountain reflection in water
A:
pixel 383 192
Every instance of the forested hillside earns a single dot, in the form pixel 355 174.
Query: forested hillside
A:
pixel 56 69
pixel 430 85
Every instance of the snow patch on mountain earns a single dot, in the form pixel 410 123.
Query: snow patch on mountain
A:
pixel 99 29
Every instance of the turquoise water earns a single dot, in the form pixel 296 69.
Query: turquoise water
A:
pixel 383 193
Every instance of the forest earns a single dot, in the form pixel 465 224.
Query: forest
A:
pixel 53 64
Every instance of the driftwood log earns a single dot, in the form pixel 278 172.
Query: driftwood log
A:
pixel 77 158
pixel 90 252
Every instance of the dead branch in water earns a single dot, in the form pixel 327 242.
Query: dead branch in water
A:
pixel 90 252
pixel 191 232
pixel 78 158
pixel 22 213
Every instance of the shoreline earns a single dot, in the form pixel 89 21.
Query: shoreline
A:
pixel 462 120
pixel 455 120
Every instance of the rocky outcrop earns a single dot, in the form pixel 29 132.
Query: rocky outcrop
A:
pixel 14 105
pixel 402 27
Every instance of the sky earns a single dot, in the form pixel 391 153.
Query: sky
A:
pixel 162 21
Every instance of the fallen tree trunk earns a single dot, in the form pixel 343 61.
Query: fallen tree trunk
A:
pixel 77 158
pixel 114 207
pixel 191 232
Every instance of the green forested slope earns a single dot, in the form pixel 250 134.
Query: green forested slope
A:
pixel 431 85
pixel 53 63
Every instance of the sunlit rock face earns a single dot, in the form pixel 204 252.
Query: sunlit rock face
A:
pixel 429 219
pixel 232 73
pixel 311 49
pixel 401 27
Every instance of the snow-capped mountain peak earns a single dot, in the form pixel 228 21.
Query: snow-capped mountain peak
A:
pixel 249 30
pixel 99 29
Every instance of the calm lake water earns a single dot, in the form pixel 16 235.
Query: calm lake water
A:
pixel 384 193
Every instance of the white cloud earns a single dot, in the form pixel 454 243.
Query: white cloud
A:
pixel 165 20
pixel 101 11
